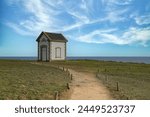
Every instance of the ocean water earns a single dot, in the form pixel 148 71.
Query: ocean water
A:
pixel 145 60
pixel 18 58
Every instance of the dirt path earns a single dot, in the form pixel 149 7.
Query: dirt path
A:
pixel 85 86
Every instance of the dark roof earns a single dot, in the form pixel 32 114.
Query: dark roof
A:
pixel 53 37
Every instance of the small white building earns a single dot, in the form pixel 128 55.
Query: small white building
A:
pixel 51 46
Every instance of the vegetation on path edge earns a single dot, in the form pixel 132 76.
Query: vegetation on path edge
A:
pixel 133 79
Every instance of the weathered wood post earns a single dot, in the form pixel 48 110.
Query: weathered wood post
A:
pixel 56 95
pixel 71 76
pixel 68 72
pixel 117 86
pixel 68 86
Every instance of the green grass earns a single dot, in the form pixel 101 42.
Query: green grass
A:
pixel 134 79
pixel 28 80
pixel 24 80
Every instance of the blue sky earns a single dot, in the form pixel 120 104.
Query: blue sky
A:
pixel 93 27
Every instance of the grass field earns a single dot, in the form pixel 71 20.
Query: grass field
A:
pixel 133 79
pixel 29 80
pixel 24 80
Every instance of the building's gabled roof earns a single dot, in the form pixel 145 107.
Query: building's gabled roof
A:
pixel 54 37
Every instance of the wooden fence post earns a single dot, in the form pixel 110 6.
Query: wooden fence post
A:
pixel 117 86
pixel 56 95
pixel 68 86
pixel 71 76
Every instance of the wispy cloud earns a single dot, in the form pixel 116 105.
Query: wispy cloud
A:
pixel 118 2
pixel 116 10
pixel 141 20
pixel 133 35
pixel 137 35
pixel 18 29
pixel 101 36
pixel 116 15
pixel 39 18
pixel 44 15
pixel 68 15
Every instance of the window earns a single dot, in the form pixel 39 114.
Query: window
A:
pixel 57 52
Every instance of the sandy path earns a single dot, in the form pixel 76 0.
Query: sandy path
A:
pixel 85 86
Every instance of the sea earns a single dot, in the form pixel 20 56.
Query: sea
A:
pixel 145 60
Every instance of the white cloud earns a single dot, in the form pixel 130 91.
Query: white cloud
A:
pixel 141 35
pixel 40 17
pixel 82 19
pixel 141 20
pixel 122 2
pixel 98 36
pixel 117 2
pixel 116 15
pixel 71 27
pixel 115 10
pixel 50 15
pixel 79 17
pixel 46 15
pixel 43 15
pixel 18 29
pixel 133 35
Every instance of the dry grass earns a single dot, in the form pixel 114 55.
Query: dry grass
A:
pixel 133 79
pixel 23 80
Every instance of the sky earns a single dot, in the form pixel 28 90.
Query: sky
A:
pixel 92 27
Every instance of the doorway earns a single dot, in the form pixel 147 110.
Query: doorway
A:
pixel 44 53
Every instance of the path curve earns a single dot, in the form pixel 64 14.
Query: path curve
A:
pixel 85 86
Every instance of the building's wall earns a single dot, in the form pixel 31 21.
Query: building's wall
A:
pixel 51 49
pixel 53 46
pixel 41 43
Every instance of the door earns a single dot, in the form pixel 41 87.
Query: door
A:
pixel 44 53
